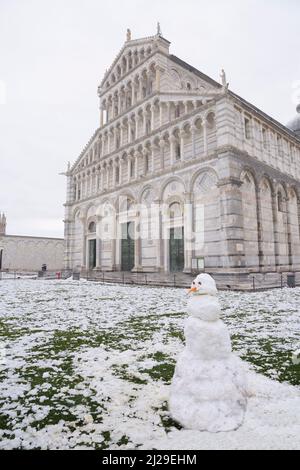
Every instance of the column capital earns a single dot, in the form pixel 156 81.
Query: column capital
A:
pixel 162 143
pixel 188 197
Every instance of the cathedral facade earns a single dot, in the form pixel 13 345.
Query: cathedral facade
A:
pixel 182 175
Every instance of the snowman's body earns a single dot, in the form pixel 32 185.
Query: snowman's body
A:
pixel 208 391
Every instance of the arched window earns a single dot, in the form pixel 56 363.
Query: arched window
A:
pixel 92 227
pixel 188 86
pixel 132 167
pixel 177 111
pixel 177 152
pixel 148 126
pixel 280 202
pixel 117 175
pixel 146 163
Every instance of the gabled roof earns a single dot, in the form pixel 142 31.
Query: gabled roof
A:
pixel 238 98
pixel 192 69
pixel 129 45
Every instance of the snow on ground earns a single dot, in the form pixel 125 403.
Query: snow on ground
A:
pixel 86 365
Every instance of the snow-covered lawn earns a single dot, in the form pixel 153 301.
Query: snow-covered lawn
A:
pixel 86 365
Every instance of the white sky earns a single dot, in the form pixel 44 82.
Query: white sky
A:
pixel 53 55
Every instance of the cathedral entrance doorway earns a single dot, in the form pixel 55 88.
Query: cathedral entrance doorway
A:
pixel 92 254
pixel 176 249
pixel 127 246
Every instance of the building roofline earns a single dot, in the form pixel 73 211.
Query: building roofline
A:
pixel 192 69
pixel 131 43
pixel 33 237
pixel 235 96
pixel 265 116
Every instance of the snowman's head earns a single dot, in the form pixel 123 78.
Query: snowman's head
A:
pixel 204 284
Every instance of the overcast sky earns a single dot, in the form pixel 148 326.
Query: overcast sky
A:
pixel 53 55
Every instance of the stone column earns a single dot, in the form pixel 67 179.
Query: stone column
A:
pixel 289 233
pixel 137 246
pixel 98 245
pixel 129 168
pixel 114 243
pixel 152 158
pixel 162 145
pixel 101 116
pixel 169 104
pixel 114 174
pixel 158 236
pixel 193 134
pixel 140 89
pixel 188 233
pixel 205 146
pixel 84 250
pixel 101 178
pixel 275 225
pixel 145 153
pixel 136 127
pixel 121 171
pixel 161 114
pixel 152 118
pixel 131 129
pixel 119 103
pixel 259 228
pixel 98 254
pixel 107 175
pixel 145 116
pixel 232 246
pixel 182 137
pixel 122 135
pixel 136 156
pixel 172 149
pixel 109 142
pixel 87 262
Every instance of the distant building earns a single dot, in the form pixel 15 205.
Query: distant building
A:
pixel 199 160
pixel 21 253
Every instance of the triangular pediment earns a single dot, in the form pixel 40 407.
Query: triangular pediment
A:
pixel 133 53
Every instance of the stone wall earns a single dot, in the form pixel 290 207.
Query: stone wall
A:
pixel 29 253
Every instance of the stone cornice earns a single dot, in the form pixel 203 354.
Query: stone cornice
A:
pixel 271 122
pixel 169 171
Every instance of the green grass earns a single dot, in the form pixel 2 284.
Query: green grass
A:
pixel 253 332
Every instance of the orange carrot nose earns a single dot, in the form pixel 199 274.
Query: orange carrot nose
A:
pixel 193 289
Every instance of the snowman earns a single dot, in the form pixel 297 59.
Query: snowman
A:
pixel 209 390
